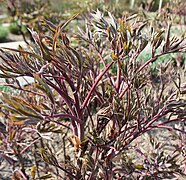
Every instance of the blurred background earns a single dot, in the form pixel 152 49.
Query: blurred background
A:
pixel 66 7
pixel 17 15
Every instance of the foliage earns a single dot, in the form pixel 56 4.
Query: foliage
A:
pixel 84 6
pixel 3 33
pixel 14 28
pixel 2 88
pixel 28 14
pixel 80 118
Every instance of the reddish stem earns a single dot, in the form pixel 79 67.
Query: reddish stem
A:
pixel 118 80
pixel 85 103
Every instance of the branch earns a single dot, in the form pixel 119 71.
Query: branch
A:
pixel 95 84
pixel 62 115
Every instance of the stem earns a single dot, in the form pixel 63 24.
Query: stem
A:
pixel 68 102
pixel 102 59
pixel 138 104
pixel 140 69
pixel 154 58
pixel 129 101
pixel 61 115
pixel 27 147
pixel 50 120
pixel 118 80
pixel 63 169
pixel 147 63
pixel 169 121
pixel 157 116
pixel 66 98
pixel 124 91
pixel 85 103
pixel 79 125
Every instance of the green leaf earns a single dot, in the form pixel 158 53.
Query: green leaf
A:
pixel 139 166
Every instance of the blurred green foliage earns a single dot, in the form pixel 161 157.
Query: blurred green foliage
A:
pixel 14 28
pixel 114 6
pixel 4 88
pixel 3 33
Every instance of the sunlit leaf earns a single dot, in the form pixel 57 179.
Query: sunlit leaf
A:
pixel 12 135
pixel 33 171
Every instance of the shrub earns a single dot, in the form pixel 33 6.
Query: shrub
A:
pixel 3 34
pixel 80 117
